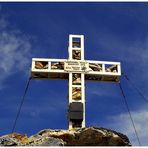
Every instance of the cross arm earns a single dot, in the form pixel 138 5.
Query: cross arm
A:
pixel 103 71
pixel 60 68
pixel 44 68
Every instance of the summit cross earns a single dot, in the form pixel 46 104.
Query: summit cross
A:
pixel 76 70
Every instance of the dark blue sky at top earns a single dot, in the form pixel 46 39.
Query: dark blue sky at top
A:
pixel 112 31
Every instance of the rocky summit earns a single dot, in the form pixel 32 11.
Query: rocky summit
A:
pixel 89 136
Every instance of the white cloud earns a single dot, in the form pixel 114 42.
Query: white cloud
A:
pixel 14 51
pixel 123 124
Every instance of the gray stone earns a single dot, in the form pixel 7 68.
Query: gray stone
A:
pixel 38 140
pixel 50 141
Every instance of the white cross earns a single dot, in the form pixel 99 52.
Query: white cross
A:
pixel 76 70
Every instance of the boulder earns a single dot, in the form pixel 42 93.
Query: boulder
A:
pixel 88 136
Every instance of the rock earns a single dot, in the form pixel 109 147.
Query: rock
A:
pixel 45 141
pixel 41 65
pixel 95 67
pixel 38 65
pixel 14 139
pixel 112 68
pixel 57 65
pixel 7 141
pixel 76 79
pixel 76 55
pixel 76 93
pixel 91 136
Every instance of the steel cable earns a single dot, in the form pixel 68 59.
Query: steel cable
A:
pixel 130 115
pixel 134 86
pixel 21 104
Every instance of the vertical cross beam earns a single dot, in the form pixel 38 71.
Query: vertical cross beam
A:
pixel 76 83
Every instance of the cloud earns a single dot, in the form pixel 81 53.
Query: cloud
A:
pixel 123 124
pixel 14 51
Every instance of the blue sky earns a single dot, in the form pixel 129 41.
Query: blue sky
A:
pixel 113 32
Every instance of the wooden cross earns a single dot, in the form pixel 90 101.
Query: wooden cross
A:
pixel 76 70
